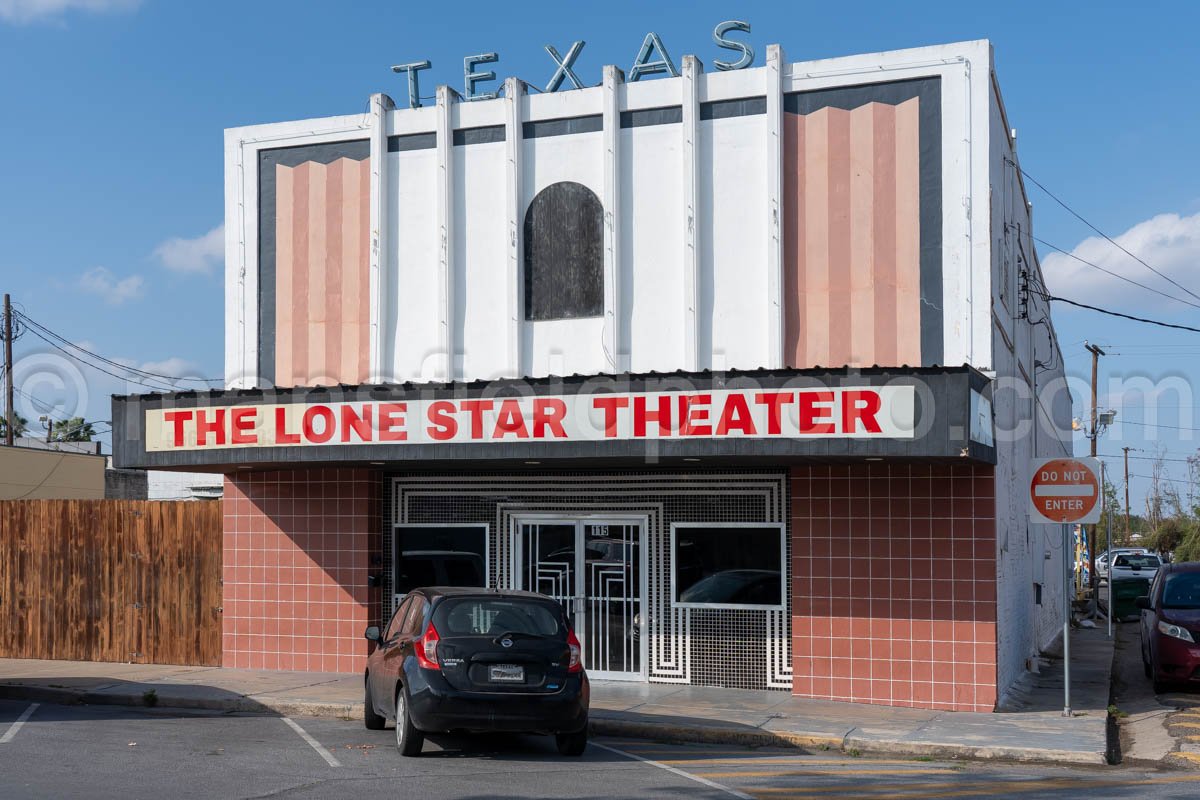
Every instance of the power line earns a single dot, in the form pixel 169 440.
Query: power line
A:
pixel 1145 424
pixel 74 357
pixel 1114 274
pixel 1123 316
pixel 109 361
pixel 1160 477
pixel 1106 237
pixel 1146 458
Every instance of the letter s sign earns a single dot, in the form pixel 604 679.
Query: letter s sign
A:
pixel 745 49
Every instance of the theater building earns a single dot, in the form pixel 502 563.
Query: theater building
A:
pixel 740 365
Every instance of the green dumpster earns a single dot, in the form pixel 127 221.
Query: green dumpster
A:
pixel 1125 591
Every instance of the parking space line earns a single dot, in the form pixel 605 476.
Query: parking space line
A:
pixel 313 743
pixel 673 770
pixel 16 726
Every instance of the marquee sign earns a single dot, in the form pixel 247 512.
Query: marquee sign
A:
pixel 865 412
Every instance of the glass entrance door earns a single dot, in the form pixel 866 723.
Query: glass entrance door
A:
pixel 594 567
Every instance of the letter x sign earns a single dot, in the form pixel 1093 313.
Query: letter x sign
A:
pixel 564 66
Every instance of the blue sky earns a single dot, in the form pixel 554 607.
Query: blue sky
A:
pixel 113 111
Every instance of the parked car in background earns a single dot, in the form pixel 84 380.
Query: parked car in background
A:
pixel 1102 559
pixel 471 660
pixel 1170 626
pixel 1134 565
pixel 736 587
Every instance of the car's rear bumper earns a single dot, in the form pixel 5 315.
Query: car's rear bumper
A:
pixel 436 707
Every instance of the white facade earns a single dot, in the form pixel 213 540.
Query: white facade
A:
pixel 693 241
pixel 1032 402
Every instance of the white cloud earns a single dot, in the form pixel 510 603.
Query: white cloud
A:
pixel 102 283
pixel 1168 242
pixel 193 255
pixel 23 11
pixel 173 366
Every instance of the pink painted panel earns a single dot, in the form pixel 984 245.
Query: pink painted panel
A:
pixel 322 284
pixel 851 236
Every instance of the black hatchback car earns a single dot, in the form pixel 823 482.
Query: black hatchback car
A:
pixel 477 660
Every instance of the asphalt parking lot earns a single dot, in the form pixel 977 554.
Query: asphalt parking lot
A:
pixel 116 752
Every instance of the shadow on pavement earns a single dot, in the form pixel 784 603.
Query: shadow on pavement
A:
pixel 161 698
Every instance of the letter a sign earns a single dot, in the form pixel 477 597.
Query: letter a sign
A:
pixel 1064 490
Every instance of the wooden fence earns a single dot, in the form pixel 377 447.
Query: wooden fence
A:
pixel 111 580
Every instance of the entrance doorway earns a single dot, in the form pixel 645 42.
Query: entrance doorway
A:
pixel 594 566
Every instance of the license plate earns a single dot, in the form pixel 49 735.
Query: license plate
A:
pixel 506 673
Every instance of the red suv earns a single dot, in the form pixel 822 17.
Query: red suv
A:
pixel 477 660
pixel 1171 626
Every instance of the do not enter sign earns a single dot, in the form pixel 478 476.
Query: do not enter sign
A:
pixel 1065 490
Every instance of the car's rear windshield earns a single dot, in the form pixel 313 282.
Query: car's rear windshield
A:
pixel 487 616
pixel 1137 560
pixel 1182 590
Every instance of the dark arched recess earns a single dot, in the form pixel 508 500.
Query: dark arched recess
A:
pixel 564 261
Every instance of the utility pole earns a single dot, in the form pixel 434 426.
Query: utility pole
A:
pixel 1127 537
pixel 1094 435
pixel 10 418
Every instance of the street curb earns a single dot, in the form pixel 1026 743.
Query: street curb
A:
pixel 757 737
pixel 712 734
pixel 600 725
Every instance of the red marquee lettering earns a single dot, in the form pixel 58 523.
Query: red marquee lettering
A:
pixel 281 432
pixel 204 427
pixel 774 401
pixel 177 418
pixel 549 412
pixel 357 421
pixel 443 426
pixel 735 416
pixel 860 406
pixel 391 422
pixel 609 406
pixel 812 416
pixel 641 416
pixel 510 420
pixel 476 408
pixel 693 410
pixel 310 429
pixel 242 420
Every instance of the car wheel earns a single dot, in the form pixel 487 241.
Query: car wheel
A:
pixel 572 744
pixel 373 720
pixel 409 740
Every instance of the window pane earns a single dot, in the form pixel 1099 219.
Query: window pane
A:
pixel 474 617
pixel 1182 591
pixel 729 566
pixel 397 622
pixel 440 556
pixel 416 615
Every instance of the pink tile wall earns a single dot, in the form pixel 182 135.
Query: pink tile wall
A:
pixel 297 550
pixel 894 585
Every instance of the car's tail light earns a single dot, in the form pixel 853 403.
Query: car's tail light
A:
pixel 576 662
pixel 426 648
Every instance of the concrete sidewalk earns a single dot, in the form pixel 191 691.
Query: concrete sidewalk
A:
pixel 1036 732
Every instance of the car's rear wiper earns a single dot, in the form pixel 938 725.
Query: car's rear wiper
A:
pixel 519 635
